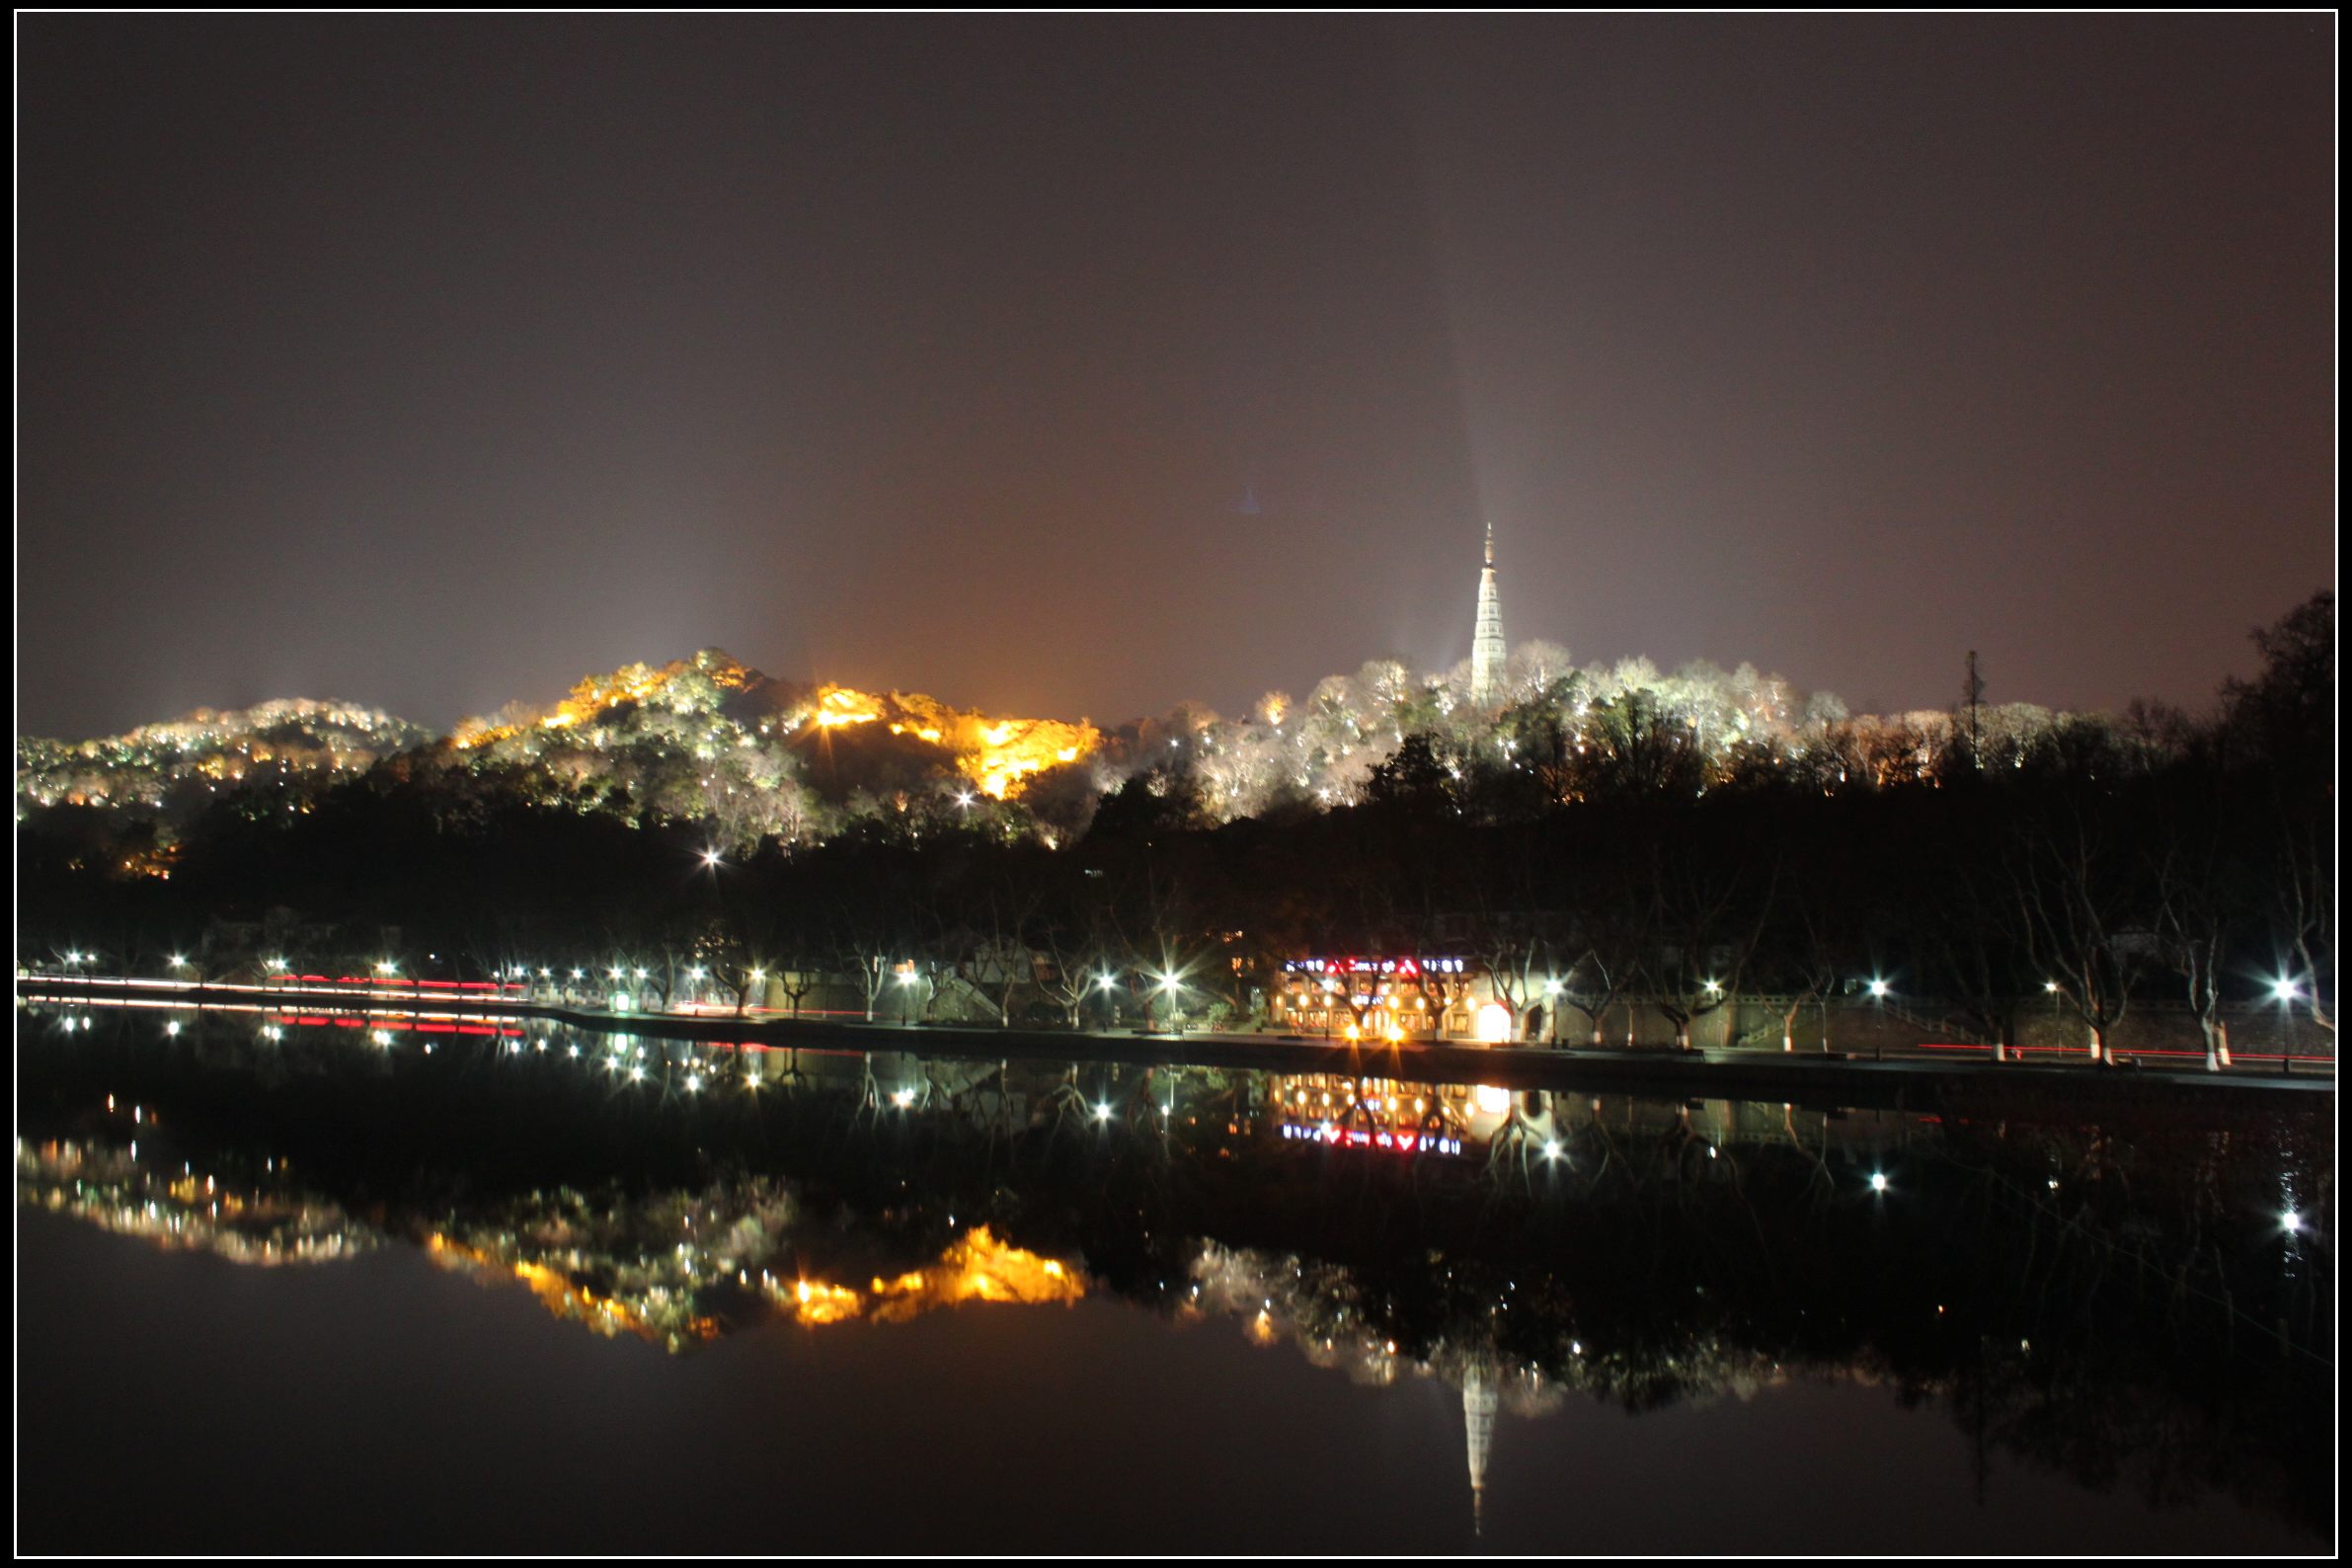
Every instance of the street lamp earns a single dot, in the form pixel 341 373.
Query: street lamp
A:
pixel 2283 990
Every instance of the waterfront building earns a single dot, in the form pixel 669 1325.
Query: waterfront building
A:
pixel 1407 997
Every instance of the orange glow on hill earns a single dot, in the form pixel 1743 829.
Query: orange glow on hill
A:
pixel 979 1268
pixel 997 755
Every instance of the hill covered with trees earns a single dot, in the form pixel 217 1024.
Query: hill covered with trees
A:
pixel 1689 837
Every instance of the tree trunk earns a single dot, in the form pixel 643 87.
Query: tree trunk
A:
pixel 2217 1044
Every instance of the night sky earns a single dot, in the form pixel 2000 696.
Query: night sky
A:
pixel 1081 366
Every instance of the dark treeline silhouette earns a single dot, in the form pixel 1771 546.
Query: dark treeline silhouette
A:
pixel 2104 863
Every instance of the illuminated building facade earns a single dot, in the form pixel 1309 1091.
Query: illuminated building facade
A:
pixel 1424 997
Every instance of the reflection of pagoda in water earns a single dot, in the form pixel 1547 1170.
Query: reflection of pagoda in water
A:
pixel 1478 1401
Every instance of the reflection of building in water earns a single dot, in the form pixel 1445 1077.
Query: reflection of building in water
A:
pixel 1401 1117
pixel 112 1187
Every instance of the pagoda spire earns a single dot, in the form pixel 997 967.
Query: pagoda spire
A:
pixel 1486 645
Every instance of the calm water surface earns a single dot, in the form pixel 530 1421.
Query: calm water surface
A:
pixel 325 1288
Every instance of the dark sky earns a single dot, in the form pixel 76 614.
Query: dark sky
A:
pixel 1082 366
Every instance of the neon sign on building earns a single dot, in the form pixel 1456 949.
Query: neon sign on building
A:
pixel 1398 968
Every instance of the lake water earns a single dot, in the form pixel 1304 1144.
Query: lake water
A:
pixel 287 1287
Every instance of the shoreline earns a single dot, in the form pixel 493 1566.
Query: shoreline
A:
pixel 1722 1074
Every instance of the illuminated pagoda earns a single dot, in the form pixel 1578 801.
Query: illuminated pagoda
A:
pixel 1486 645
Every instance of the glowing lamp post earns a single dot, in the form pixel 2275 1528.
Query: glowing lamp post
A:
pixel 2283 990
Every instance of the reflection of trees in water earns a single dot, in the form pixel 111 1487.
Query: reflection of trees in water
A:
pixel 268 1222
pixel 2141 1323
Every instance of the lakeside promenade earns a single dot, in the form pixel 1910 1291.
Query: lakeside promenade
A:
pixel 1913 1075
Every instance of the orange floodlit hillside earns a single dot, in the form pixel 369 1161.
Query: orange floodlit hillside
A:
pixel 997 755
